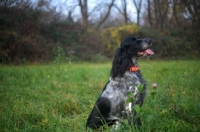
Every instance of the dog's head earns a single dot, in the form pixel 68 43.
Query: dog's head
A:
pixel 131 48
pixel 136 47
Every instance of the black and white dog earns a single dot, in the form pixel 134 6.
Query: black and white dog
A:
pixel 111 106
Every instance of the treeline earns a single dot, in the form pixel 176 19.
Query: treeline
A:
pixel 39 33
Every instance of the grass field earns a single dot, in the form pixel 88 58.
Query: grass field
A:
pixel 60 97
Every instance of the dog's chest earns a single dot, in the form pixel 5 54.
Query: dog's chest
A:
pixel 123 86
pixel 132 80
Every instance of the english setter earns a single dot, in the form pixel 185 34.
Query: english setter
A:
pixel 111 107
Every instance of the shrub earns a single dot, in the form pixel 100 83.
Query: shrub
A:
pixel 113 36
pixel 171 44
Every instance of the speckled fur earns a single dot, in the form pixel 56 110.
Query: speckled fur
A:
pixel 110 106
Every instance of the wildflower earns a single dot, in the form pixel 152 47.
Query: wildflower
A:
pixel 71 52
pixel 154 85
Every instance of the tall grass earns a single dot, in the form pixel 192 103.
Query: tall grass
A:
pixel 60 97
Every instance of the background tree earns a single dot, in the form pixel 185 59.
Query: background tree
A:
pixel 38 31
pixel 123 11
pixel 149 13
pixel 193 10
pixel 138 6
pixel 107 13
pixel 84 11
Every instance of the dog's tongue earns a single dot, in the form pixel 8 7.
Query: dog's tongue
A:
pixel 149 51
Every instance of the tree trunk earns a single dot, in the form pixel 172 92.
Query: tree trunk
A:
pixel 124 4
pixel 123 11
pixel 138 6
pixel 84 12
pixel 149 13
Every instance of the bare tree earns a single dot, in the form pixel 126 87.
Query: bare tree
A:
pixel 149 13
pixel 138 6
pixel 48 12
pixel 158 13
pixel 162 6
pixel 124 6
pixel 123 11
pixel 110 5
pixel 193 7
pixel 174 4
pixel 84 11
pixel 85 14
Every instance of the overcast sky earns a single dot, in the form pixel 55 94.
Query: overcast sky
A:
pixel 65 5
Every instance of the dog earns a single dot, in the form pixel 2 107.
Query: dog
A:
pixel 125 79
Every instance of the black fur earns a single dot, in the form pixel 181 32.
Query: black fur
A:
pixel 110 106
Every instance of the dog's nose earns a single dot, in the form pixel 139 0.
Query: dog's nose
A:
pixel 148 41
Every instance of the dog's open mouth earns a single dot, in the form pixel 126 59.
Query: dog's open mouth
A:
pixel 147 52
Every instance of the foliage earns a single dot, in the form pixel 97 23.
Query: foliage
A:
pixel 59 55
pixel 173 44
pixel 90 44
pixel 113 36
pixel 19 38
pixel 99 58
pixel 60 97
pixel 29 34
pixel 25 37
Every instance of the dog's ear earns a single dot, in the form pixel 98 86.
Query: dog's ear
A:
pixel 120 62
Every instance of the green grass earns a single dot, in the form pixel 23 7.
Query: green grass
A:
pixel 60 97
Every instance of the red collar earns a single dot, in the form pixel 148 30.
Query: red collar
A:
pixel 133 68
